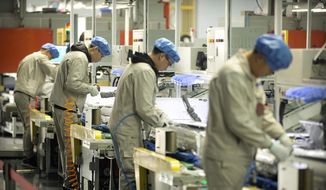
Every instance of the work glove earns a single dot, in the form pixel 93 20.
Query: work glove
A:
pixel 94 91
pixel 98 87
pixel 286 141
pixel 280 151
pixel 166 120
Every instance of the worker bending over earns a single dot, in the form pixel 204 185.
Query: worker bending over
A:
pixel 31 74
pixel 238 120
pixel 70 89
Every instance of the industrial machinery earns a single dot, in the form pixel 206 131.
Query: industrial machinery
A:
pixel 305 120
pixel 10 121
pixel 192 59
pixel 120 55
pixel 95 157
pixel 43 135
pixel 100 73
pixel 165 140
pixel 152 35
pixel 190 133
pixel 180 142
pixel 302 72
pixel 216 55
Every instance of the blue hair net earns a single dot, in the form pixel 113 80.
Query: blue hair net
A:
pixel 167 47
pixel 276 52
pixel 53 50
pixel 102 45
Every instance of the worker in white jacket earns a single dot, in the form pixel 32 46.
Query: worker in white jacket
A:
pixel 71 88
pixel 238 120
pixel 135 104
pixel 31 74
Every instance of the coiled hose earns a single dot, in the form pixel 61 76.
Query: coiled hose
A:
pixel 71 177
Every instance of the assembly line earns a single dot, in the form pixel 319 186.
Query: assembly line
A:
pixel 241 108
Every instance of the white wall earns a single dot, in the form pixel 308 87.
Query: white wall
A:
pixel 208 12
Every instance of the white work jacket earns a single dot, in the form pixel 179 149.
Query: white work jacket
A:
pixel 135 95
pixel 234 128
pixel 72 81
pixel 31 73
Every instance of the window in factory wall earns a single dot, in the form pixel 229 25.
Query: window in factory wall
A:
pixel 43 6
pixel 62 6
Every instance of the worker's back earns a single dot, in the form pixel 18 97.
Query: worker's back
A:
pixel 31 73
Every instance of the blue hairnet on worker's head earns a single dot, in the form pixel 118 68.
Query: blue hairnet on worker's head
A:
pixel 102 45
pixel 276 52
pixel 52 49
pixel 167 47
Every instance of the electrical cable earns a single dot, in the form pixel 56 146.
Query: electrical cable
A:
pixel 258 4
pixel 117 153
pixel 115 81
pixel 190 109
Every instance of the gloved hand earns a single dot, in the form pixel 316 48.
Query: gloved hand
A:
pixel 97 86
pixel 286 141
pixel 280 151
pixel 166 120
pixel 94 91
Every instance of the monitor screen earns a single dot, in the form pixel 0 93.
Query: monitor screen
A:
pixel 62 53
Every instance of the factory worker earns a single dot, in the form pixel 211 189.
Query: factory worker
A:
pixel 238 120
pixel 135 104
pixel 31 74
pixel 71 88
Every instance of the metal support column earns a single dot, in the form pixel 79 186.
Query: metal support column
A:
pixel 309 15
pixel 177 11
pixel 127 17
pixel 145 14
pixel 72 23
pixel 227 29
pixel 114 22
pixel 94 18
pixel 277 31
pixel 278 17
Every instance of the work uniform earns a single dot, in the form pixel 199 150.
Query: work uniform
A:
pixel 31 74
pixel 135 101
pixel 237 125
pixel 69 92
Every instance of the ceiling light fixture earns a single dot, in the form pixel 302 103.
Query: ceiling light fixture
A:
pixel 320 7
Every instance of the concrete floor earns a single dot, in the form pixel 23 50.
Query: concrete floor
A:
pixel 11 151
pixel 50 182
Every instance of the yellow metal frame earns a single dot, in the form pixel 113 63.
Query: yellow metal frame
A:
pixel 148 160
pixel 79 133
pixel 36 118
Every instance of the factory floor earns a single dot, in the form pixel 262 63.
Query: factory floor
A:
pixel 11 151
